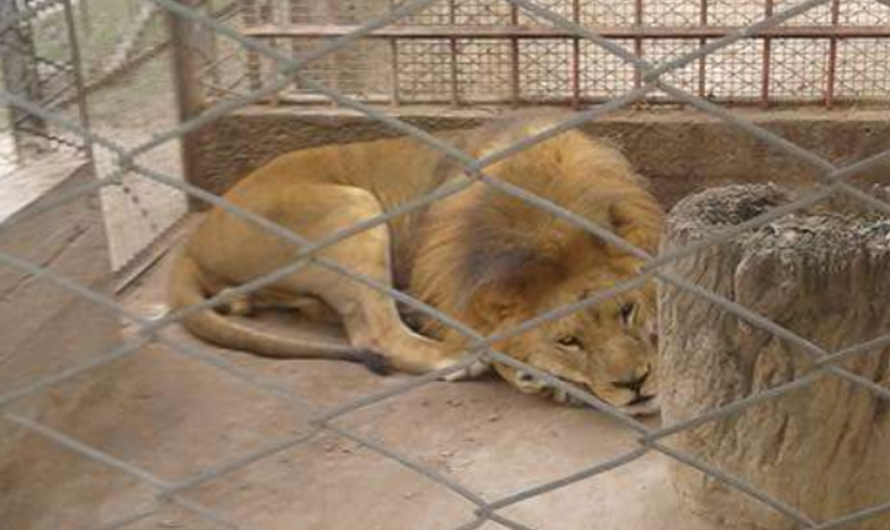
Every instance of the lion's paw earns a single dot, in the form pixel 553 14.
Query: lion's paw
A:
pixel 475 369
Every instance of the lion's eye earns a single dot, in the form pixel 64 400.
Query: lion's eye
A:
pixel 627 311
pixel 570 341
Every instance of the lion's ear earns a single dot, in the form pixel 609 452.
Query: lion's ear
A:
pixel 638 221
pixel 509 294
pixel 497 302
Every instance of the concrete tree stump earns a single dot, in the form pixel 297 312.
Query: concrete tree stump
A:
pixel 823 450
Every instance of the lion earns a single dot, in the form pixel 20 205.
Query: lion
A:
pixel 482 257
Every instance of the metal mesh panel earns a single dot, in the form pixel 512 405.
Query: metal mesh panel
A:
pixel 484 69
pixel 39 56
pixel 863 69
pixel 604 14
pixel 819 16
pixel 809 36
pixel 799 68
pixel 546 70
pixel 673 13
pixel 564 8
pixel 663 51
pixel 425 70
pixel 730 13
pixel 728 72
pixel 603 75
pixel 863 13
pixel 480 13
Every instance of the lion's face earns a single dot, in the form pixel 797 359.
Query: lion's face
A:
pixel 608 349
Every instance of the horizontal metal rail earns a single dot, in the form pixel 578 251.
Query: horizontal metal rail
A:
pixel 315 31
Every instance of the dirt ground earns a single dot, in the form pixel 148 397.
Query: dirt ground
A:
pixel 174 417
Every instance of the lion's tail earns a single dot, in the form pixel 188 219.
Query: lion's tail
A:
pixel 185 290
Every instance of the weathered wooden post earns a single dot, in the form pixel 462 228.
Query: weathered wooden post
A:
pixel 824 449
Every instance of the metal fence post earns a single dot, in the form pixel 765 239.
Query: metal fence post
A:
pixel 191 51
pixel 831 75
pixel 77 72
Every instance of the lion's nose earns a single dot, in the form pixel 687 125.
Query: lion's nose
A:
pixel 635 385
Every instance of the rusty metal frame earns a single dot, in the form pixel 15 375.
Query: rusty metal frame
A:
pixel 512 29
pixel 533 32
pixel 515 32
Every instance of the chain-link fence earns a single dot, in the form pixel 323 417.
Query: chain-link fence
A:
pixel 77 58
pixel 191 23
pixel 40 57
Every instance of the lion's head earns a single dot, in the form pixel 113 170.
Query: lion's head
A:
pixel 495 260
pixel 608 349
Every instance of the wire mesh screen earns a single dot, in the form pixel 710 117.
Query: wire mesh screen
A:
pixel 92 62
pixel 475 68
pixel 488 51
pixel 39 55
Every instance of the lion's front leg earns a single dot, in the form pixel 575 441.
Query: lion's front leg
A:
pixel 477 368
pixel 521 380
pixel 368 313
pixel 529 384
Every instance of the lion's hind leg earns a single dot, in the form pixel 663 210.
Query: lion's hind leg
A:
pixel 316 310
pixel 306 307
pixel 236 305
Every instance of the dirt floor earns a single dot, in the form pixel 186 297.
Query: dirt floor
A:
pixel 174 417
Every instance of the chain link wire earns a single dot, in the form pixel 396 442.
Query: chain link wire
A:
pixel 323 420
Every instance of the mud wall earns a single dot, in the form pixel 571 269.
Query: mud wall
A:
pixel 681 151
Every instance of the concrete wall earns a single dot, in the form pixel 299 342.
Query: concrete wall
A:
pixel 45 329
pixel 681 151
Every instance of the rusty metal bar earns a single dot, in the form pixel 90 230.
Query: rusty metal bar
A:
pixel 831 75
pixel 703 62
pixel 310 31
pixel 767 61
pixel 514 58
pixel 395 90
pixel 250 18
pixel 296 19
pixel 638 41
pixel 267 17
pixel 79 84
pixel 394 72
pixel 383 99
pixel 576 57
pixel 455 86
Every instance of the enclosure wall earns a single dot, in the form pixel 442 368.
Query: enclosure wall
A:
pixel 681 152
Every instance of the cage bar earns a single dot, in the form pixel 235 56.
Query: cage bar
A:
pixel 462 45
pixel 767 60
pixel 831 75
